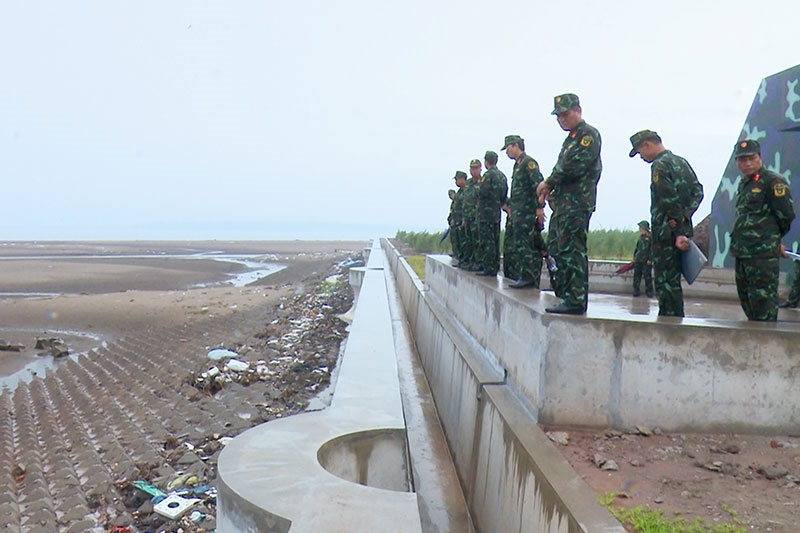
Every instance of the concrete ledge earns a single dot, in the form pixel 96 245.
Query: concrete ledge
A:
pixel 341 469
pixel 512 476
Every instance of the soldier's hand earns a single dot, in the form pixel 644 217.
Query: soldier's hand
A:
pixel 682 243
pixel 783 251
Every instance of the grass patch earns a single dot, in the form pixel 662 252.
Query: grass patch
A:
pixel 417 262
pixel 643 519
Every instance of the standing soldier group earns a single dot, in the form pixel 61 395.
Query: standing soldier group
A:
pixel 764 213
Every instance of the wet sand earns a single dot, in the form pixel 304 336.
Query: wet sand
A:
pixel 89 293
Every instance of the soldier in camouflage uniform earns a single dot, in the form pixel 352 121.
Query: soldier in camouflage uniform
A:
pixel 451 193
pixel 470 223
pixel 492 191
pixel 764 214
pixel 526 213
pixel 675 194
pixel 794 292
pixel 457 218
pixel 574 179
pixel 643 261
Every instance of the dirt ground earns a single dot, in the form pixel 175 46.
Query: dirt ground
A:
pixel 139 400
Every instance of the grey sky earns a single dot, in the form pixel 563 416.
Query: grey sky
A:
pixel 146 116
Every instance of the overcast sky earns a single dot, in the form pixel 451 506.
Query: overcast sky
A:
pixel 145 119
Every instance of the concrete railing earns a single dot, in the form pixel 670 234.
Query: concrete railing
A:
pixel 343 469
pixel 512 476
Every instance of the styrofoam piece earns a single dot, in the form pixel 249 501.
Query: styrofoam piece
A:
pixel 173 506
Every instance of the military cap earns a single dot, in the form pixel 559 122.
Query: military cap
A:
pixel 460 174
pixel 511 139
pixel 475 163
pixel 491 157
pixel 639 137
pixel 565 102
pixel 747 147
pixel 644 224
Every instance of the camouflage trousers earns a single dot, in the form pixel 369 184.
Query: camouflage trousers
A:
pixel 488 250
pixel 510 266
pixel 667 270
pixel 757 285
pixel 571 256
pixel 794 292
pixel 552 248
pixel 470 241
pixel 642 269
pixel 455 242
pixel 525 249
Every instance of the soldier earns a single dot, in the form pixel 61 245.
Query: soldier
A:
pixel 764 214
pixel 526 212
pixel 794 293
pixel 574 179
pixel 642 261
pixel 492 191
pixel 457 219
pixel 675 194
pixel 451 193
pixel 470 222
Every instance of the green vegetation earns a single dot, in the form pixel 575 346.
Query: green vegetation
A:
pixel 328 287
pixel 643 519
pixel 417 262
pixel 424 242
pixel 602 243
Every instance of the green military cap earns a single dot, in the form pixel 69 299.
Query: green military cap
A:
pixel 475 163
pixel 491 157
pixel 511 139
pixel 639 137
pixel 565 102
pixel 747 147
pixel 460 174
pixel 644 224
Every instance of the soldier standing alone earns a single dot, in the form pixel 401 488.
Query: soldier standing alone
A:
pixel 675 195
pixel 574 179
pixel 643 261
pixel 764 214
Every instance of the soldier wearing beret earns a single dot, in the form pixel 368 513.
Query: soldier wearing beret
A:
pixel 492 191
pixel 457 219
pixel 643 261
pixel 526 213
pixel 675 195
pixel 764 214
pixel 574 179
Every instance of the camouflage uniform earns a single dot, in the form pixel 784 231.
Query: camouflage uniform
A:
pixel 510 266
pixel 794 293
pixel 527 233
pixel 450 233
pixel 764 214
pixel 457 220
pixel 574 179
pixel 470 225
pixel 643 262
pixel 675 194
pixel 492 192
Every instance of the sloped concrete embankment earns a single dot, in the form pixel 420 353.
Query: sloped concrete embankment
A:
pixel 512 476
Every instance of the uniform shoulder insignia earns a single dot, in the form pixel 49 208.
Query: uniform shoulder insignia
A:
pixel 655 177
pixel 531 165
pixel 586 140
pixel 779 189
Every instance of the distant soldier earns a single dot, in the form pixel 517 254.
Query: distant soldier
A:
pixel 675 195
pixel 492 191
pixel 794 292
pixel 457 219
pixel 764 214
pixel 470 222
pixel 526 213
pixel 643 261
pixel 451 193
pixel 574 180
